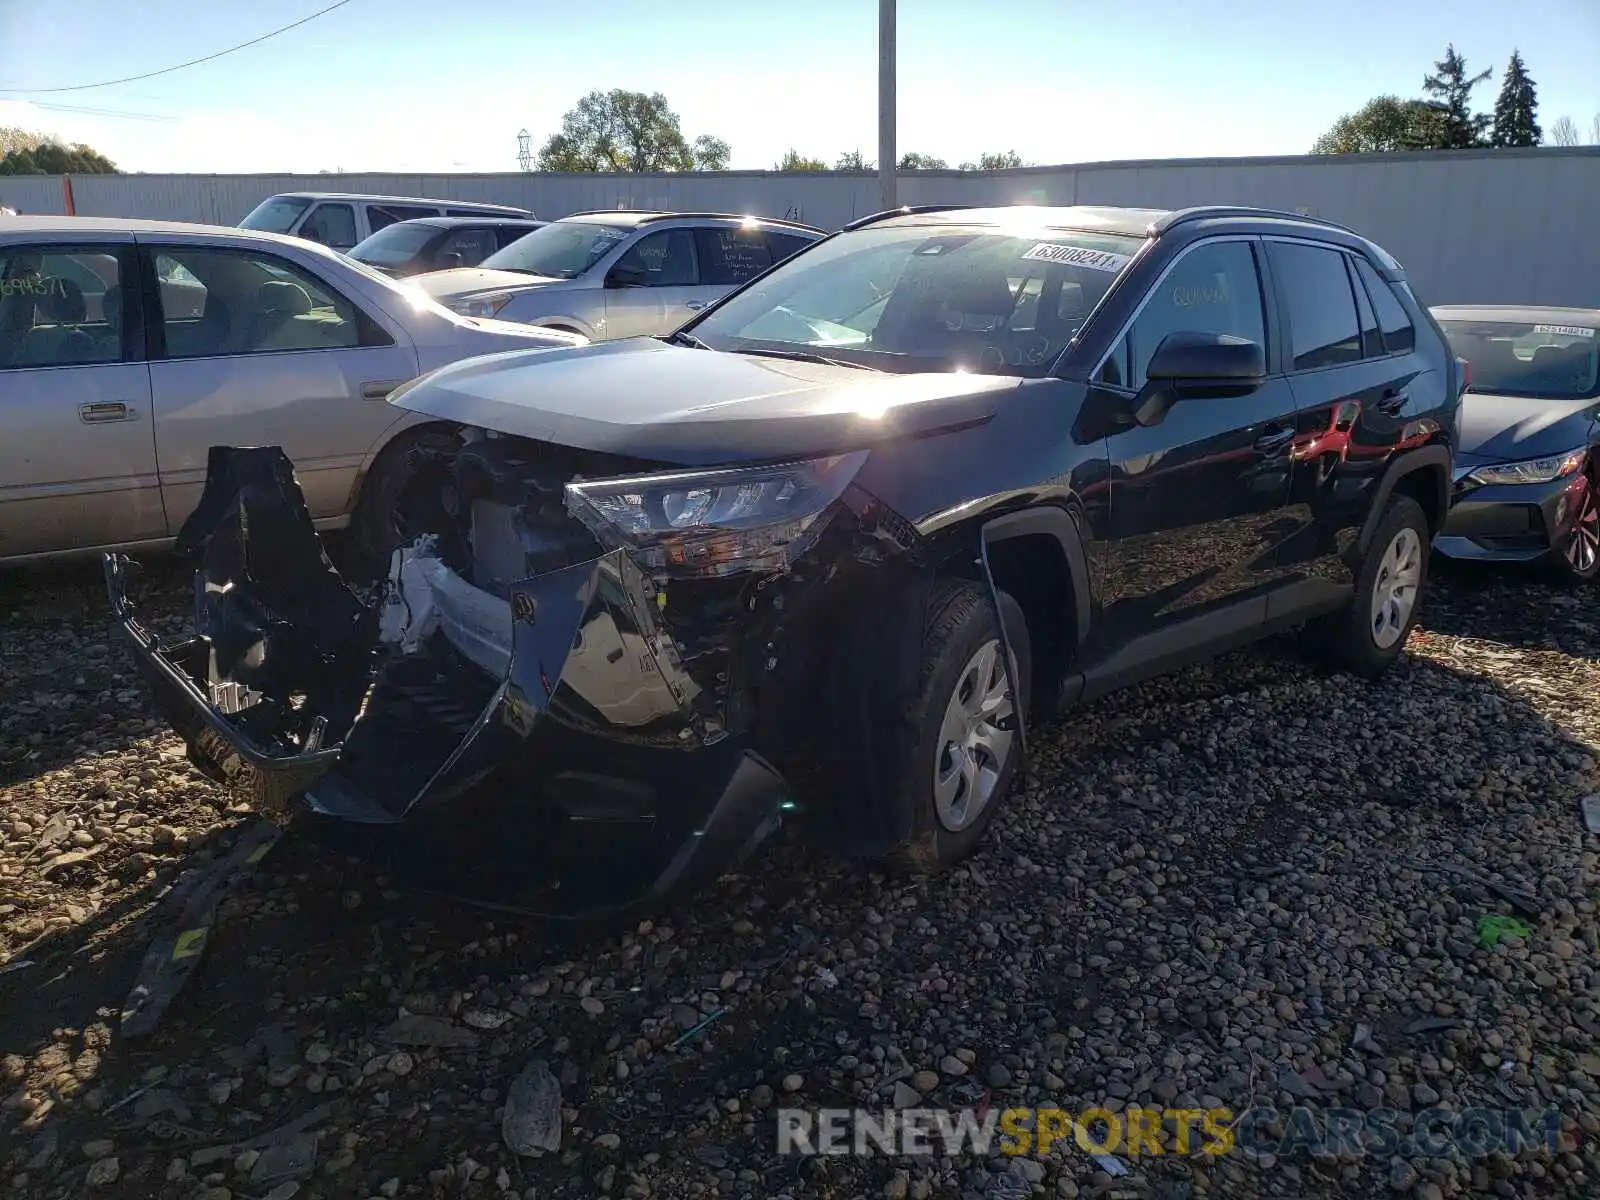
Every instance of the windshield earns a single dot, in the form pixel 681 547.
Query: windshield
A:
pixel 276 215
pixel 561 250
pixel 927 298
pixel 1556 362
pixel 394 244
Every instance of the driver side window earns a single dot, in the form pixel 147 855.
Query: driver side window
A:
pixel 665 259
pixel 1214 288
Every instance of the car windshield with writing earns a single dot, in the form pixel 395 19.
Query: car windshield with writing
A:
pixel 276 215
pixel 395 244
pixel 916 298
pixel 1556 362
pixel 561 250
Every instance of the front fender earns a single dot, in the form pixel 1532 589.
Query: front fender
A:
pixel 1435 458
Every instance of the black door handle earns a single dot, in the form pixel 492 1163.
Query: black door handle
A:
pixel 1276 437
pixel 1393 400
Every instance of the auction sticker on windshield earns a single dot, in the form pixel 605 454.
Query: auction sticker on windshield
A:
pixel 1078 256
pixel 1565 330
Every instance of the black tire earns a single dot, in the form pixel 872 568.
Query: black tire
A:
pixel 1567 562
pixel 374 530
pixel 960 622
pixel 1350 638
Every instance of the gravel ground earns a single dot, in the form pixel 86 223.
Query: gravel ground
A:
pixel 1218 885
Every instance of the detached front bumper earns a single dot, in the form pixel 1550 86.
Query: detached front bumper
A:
pixel 589 774
pixel 1520 522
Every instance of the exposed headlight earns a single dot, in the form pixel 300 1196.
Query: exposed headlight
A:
pixel 1533 470
pixel 719 522
pixel 486 305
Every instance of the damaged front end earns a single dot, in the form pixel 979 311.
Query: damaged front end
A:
pixel 568 695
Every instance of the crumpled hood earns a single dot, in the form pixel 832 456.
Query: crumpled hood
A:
pixel 1510 428
pixel 468 281
pixel 646 399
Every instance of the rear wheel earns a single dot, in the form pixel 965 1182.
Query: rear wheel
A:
pixel 1368 635
pixel 1579 560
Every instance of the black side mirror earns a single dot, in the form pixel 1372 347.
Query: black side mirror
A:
pixel 1189 365
pixel 627 275
pixel 449 261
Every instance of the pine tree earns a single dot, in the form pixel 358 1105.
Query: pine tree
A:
pixel 1514 111
pixel 1459 127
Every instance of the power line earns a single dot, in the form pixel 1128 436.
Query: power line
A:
pixel 118 113
pixel 193 62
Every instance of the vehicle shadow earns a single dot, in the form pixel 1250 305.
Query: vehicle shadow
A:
pixel 1512 606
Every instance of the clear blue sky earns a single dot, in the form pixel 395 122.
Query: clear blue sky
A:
pixel 414 85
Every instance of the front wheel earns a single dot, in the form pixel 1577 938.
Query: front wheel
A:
pixel 963 739
pixel 383 519
pixel 1368 635
pixel 1579 560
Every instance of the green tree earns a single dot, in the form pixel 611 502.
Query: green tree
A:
pixel 52 158
pixel 1459 128
pixel 851 160
pixel 793 160
pixel 711 153
pixel 1384 124
pixel 995 161
pixel 627 131
pixel 1515 120
pixel 922 162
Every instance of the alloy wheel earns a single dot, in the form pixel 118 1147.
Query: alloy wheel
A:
pixel 1583 547
pixel 1394 592
pixel 973 743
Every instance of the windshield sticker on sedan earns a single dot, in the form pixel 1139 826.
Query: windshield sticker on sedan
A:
pixel 1077 256
pixel 1565 330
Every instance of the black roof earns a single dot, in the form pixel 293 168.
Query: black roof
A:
pixel 486 219
pixel 634 218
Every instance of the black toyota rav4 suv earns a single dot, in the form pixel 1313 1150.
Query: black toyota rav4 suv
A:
pixel 822 549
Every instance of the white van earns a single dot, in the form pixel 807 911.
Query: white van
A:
pixel 341 219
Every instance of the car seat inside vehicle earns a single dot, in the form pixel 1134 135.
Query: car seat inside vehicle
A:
pixel 58 339
pixel 278 303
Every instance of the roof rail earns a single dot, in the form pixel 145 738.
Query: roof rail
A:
pixel 905 210
pixel 646 216
pixel 1204 211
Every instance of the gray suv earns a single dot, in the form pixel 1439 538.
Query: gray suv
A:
pixel 613 274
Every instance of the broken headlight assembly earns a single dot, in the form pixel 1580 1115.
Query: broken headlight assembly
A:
pixel 705 524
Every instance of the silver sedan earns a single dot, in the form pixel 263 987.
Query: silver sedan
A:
pixel 129 348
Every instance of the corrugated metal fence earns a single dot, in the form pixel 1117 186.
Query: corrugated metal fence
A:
pixel 1512 226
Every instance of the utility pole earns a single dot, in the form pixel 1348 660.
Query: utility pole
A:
pixel 886 105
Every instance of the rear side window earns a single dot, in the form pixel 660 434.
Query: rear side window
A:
pixel 1371 342
pixel 60 307
pixel 1323 327
pixel 381 216
pixel 506 234
pixel 731 256
pixel 785 244
pixel 1399 335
